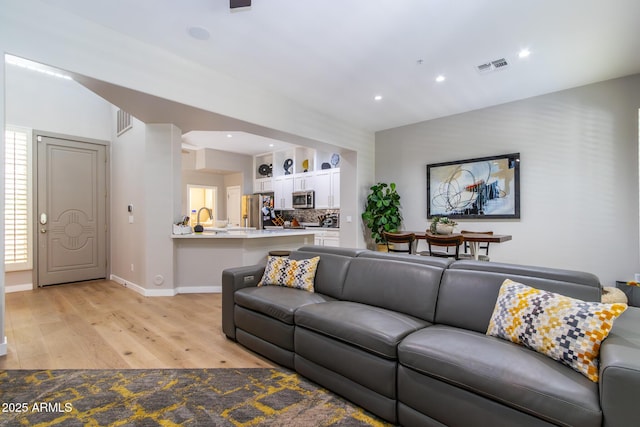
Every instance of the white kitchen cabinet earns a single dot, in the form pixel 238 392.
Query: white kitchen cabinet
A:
pixel 263 185
pixel 323 189
pixel 325 237
pixel 303 181
pixel 335 188
pixel 327 189
pixel 331 240
pixel 282 189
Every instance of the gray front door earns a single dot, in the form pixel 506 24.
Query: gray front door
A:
pixel 70 210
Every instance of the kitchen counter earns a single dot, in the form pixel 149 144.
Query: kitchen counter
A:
pixel 201 257
pixel 244 234
pixel 315 227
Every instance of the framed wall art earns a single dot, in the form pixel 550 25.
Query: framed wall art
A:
pixel 482 188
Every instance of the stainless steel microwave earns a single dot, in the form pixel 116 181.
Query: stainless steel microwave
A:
pixel 303 200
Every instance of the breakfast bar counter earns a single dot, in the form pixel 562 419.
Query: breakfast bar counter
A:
pixel 244 234
pixel 201 257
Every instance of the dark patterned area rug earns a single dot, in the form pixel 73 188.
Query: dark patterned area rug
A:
pixel 171 397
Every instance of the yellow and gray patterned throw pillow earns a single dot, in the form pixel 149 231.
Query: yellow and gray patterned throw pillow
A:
pixel 298 274
pixel 566 329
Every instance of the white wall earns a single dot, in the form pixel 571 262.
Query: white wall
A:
pixel 127 188
pixel 38 101
pixel 579 174
pixel 163 200
pixel 145 173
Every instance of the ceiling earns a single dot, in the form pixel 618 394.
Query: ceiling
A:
pixel 235 142
pixel 335 56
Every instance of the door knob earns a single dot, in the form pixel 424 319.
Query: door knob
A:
pixel 43 230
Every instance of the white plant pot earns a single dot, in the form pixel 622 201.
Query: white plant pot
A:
pixel 444 228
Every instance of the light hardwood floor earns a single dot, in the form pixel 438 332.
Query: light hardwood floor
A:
pixel 103 325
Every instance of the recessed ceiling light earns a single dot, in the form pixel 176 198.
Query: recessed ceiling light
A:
pixel 229 135
pixel 524 53
pixel 271 145
pixel 377 97
pixel 199 33
pixel 440 78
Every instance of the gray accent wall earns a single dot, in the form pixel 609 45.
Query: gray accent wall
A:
pixel 579 174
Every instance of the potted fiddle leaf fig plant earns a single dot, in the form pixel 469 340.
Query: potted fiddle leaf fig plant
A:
pixel 382 211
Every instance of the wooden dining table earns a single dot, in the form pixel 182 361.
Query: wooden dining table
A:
pixel 474 239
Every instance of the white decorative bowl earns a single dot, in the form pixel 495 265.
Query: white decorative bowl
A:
pixel 444 228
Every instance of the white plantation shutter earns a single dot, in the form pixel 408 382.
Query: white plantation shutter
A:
pixel 17 199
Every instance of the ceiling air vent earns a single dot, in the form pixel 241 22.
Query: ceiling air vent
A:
pixel 234 4
pixel 484 68
pixel 494 65
pixel 499 63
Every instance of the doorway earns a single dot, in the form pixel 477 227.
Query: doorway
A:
pixel 71 209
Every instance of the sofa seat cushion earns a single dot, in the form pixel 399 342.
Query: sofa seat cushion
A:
pixel 277 302
pixel 373 329
pixel 505 372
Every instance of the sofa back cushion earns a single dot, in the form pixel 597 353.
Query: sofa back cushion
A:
pixel 350 252
pixel 395 285
pixel 467 296
pixel 570 276
pixel 331 271
pixel 428 260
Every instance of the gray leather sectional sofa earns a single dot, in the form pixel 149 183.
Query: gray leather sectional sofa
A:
pixel 403 336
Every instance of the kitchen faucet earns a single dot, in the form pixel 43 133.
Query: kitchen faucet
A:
pixel 199 228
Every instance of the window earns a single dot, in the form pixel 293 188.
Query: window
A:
pixel 199 197
pixel 17 201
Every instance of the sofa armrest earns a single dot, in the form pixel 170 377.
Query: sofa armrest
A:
pixel 233 279
pixel 620 371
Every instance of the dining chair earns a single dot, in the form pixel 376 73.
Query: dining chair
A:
pixel 446 241
pixel 481 246
pixel 399 242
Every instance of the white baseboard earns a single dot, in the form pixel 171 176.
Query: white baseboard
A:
pixel 167 292
pixel 199 289
pixel 160 293
pixel 18 288
pixel 128 284
pixel 3 347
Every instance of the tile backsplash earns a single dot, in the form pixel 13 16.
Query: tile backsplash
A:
pixel 308 215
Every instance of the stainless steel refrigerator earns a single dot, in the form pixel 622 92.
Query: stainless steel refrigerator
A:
pixel 257 210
